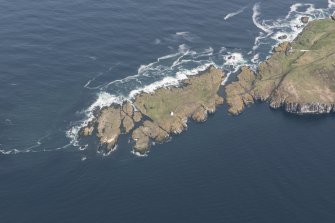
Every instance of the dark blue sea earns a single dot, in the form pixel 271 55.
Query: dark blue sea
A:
pixel 60 60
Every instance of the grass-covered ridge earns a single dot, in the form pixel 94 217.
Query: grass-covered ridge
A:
pixel 153 117
pixel 300 75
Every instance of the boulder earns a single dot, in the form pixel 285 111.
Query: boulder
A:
pixel 282 37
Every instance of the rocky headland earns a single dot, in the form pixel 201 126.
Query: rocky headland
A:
pixel 299 76
pixel 154 117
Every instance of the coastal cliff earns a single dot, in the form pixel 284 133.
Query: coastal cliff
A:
pixel 299 76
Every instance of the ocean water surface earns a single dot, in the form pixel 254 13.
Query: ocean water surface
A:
pixel 60 60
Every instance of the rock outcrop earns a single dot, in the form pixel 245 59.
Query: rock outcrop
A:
pixel 240 93
pixel 282 37
pixel 153 117
pixel 304 19
pixel 108 126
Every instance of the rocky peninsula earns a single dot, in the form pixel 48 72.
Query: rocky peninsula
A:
pixel 299 76
pixel 154 117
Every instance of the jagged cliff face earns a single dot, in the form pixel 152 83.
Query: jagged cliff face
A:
pixel 316 108
pixel 299 76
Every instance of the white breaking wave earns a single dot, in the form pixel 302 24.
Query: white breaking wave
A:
pixel 110 151
pixel 234 59
pixel 256 20
pixel 287 28
pixel 255 59
pixel 166 82
pixel 232 63
pixel 105 99
pixel 230 15
pixel 13 151
pixel 139 154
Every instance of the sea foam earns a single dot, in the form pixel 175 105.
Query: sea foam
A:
pixel 232 14
pixel 256 20
pixel 289 26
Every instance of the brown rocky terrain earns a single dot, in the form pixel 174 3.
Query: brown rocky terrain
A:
pixel 153 117
pixel 240 93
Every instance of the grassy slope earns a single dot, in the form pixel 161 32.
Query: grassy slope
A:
pixel 305 74
pixel 200 90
